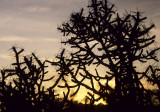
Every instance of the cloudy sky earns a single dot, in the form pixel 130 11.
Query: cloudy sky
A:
pixel 31 24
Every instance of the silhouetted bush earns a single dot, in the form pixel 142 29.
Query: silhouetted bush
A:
pixel 103 38
pixel 100 39
pixel 22 87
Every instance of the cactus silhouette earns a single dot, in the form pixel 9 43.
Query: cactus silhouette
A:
pixel 103 38
pixel 99 39
pixel 22 87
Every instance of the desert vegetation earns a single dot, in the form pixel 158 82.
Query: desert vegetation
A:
pixel 99 38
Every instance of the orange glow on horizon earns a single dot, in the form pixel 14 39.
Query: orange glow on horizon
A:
pixel 100 102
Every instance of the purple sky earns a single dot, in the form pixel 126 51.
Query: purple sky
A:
pixel 32 24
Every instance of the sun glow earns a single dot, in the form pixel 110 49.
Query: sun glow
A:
pixel 100 102
pixel 81 97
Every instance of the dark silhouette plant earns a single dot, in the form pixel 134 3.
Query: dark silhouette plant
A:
pixel 153 77
pixel 99 38
pixel 102 38
pixel 22 89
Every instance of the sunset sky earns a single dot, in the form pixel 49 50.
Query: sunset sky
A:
pixel 32 24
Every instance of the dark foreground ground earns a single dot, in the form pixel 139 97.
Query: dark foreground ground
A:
pixel 104 108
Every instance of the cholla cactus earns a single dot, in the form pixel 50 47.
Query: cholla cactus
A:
pixel 22 87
